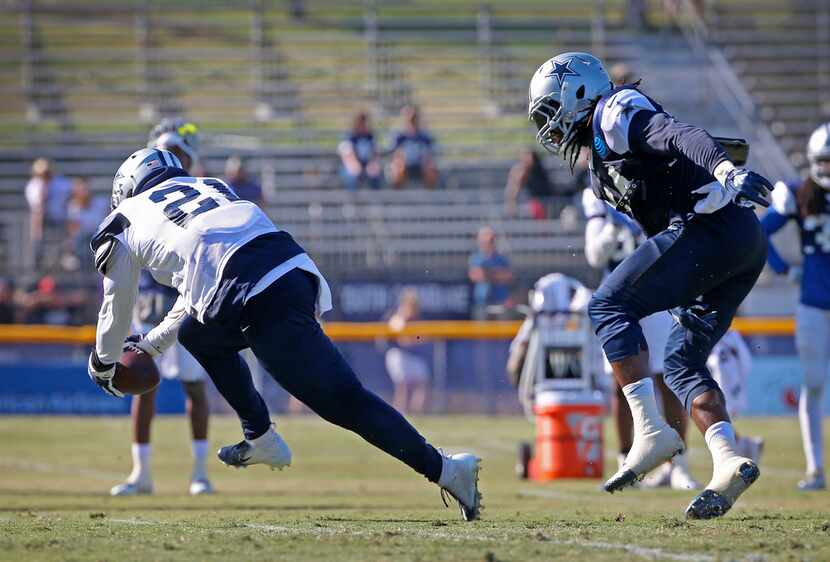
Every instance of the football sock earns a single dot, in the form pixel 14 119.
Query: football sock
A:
pixel 720 438
pixel 199 447
pixel 643 404
pixel 141 453
pixel 809 416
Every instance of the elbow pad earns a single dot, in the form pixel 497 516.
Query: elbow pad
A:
pixel 103 241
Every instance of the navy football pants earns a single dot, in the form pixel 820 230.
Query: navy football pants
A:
pixel 713 260
pixel 280 328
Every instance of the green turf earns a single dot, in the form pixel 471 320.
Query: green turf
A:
pixel 343 500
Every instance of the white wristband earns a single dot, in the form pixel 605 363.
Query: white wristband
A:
pixel 722 170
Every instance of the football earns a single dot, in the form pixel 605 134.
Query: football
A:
pixel 136 373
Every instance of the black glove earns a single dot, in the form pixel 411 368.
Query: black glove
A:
pixel 748 187
pixel 101 374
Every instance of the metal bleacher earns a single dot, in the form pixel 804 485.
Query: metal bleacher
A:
pixel 781 51
pixel 277 83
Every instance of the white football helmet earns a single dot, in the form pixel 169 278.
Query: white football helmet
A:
pixel 176 133
pixel 562 95
pixel 139 169
pixel 818 154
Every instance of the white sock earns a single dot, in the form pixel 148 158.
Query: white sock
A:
pixel 681 460
pixel 264 438
pixel 643 404
pixel 199 447
pixel 141 453
pixel 809 416
pixel 720 438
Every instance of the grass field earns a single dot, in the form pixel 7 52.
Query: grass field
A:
pixel 343 500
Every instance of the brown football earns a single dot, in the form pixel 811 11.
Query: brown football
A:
pixel 136 373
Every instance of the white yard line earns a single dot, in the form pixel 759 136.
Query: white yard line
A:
pixel 644 552
pixel 23 464
pixel 129 521
pixel 547 493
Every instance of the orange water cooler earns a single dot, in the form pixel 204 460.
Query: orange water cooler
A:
pixel 559 393
pixel 568 436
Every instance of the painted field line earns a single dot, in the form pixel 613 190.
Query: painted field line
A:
pixel 23 464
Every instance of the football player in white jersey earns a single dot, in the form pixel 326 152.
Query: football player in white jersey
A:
pixel 610 237
pixel 153 301
pixel 730 363
pixel 242 283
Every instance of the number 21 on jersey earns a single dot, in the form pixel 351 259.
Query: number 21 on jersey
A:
pixel 178 195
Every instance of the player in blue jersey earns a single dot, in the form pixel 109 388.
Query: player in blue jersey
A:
pixel 705 252
pixel 153 301
pixel 808 203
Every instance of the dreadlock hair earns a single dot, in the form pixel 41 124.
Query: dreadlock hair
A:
pixel 810 198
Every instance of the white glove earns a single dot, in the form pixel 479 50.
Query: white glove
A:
pixel 139 343
pixel 794 274
pixel 717 197
pixel 101 374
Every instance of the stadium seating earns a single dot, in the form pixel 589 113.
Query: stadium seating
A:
pixel 781 50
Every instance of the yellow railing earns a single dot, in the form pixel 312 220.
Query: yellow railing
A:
pixel 368 331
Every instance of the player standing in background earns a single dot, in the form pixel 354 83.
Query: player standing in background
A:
pixel 610 237
pixel 808 203
pixel 730 363
pixel 153 302
pixel 242 283
pixel 705 252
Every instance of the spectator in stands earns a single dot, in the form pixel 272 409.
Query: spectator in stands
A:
pixel 7 302
pixel 412 153
pixel 46 303
pixel 237 178
pixel 491 275
pixel 621 74
pixel 359 155
pixel 47 195
pixel 407 369
pixel 528 174
pixel 85 212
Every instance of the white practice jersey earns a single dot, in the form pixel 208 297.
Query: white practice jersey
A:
pixel 183 231
pixel 730 363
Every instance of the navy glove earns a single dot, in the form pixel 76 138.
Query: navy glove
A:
pixel 101 374
pixel 138 343
pixel 693 319
pixel 748 187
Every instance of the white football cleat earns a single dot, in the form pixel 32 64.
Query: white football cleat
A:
pixel 750 447
pixel 812 482
pixel 269 449
pixel 140 487
pixel 681 478
pixel 201 487
pixel 660 477
pixel 731 478
pixel 648 452
pixel 459 479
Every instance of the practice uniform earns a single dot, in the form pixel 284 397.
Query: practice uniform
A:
pixel 730 364
pixel 242 283
pixel 648 164
pixel 610 237
pixel 812 335
pixel 153 302
pixel 813 312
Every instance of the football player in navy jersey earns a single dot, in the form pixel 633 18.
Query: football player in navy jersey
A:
pixel 808 203
pixel 705 251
